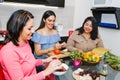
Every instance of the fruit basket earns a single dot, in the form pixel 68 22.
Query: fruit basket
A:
pixel 90 58
pixel 89 63
pixel 86 58
pixel 94 56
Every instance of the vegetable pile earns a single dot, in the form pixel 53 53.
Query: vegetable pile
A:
pixel 75 56
pixel 88 57
pixel 112 60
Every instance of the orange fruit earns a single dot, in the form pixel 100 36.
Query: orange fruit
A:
pixel 92 53
pixel 87 55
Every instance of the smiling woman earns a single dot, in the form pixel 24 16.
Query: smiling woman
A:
pixel 17 49
pixel 86 37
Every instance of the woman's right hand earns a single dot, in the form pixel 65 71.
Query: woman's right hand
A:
pixel 57 46
pixel 53 66
pixel 63 45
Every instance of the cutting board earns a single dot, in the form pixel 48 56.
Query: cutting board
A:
pixel 63 54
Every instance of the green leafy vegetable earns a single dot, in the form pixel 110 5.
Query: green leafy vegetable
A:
pixel 76 54
pixel 112 60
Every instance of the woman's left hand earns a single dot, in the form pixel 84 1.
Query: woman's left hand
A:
pixel 52 66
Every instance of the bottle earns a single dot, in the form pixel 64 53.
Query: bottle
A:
pixel 103 69
pixel 103 72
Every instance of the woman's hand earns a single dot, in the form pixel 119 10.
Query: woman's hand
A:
pixel 53 66
pixel 63 45
pixel 49 59
pixel 57 46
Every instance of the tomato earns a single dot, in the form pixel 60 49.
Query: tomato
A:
pixel 57 51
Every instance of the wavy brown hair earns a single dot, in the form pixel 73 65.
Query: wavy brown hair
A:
pixel 15 25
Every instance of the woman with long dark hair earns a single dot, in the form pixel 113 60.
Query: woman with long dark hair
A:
pixel 16 58
pixel 46 37
pixel 86 37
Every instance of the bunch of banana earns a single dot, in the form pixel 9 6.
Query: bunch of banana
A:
pixel 100 51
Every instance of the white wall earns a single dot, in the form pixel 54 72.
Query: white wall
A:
pixel 71 17
pixel 111 37
pixel 82 10
pixel 64 15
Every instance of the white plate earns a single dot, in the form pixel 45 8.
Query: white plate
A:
pixel 61 73
pixel 76 75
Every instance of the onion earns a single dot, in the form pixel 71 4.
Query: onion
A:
pixel 77 63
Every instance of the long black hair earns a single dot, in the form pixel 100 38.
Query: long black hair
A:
pixel 94 32
pixel 15 25
pixel 46 14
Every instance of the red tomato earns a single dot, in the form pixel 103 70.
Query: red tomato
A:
pixel 57 51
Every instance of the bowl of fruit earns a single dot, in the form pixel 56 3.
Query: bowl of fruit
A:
pixel 87 57
pixel 91 58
